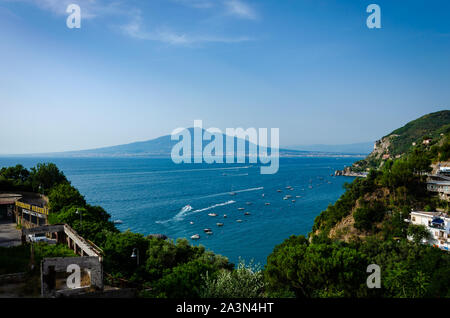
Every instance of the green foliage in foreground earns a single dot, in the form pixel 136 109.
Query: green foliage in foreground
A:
pixel 246 281
pixel 17 259
pixel 339 270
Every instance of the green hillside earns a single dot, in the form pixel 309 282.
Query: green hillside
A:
pixel 428 126
pixel 429 133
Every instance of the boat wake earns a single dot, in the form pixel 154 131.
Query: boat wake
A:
pixel 228 193
pixel 187 210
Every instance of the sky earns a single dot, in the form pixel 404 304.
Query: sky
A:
pixel 136 70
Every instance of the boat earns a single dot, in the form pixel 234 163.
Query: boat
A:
pixel 240 209
pixel 298 196
pixel 212 214
pixel 247 213
pixel 224 216
pixel 209 232
pixel 206 230
pixel 285 198
pixel 191 223
pixel 267 203
pixel 239 221
pixel 278 190
pixel 262 195
pixel 195 237
pixel 186 208
pixel 232 193
pixel 219 224
pixel 117 221
pixel 293 200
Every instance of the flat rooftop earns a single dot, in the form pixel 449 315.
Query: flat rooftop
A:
pixel 9 198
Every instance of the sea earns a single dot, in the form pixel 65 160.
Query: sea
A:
pixel 157 196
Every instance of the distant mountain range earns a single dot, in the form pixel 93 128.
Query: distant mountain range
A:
pixel 162 147
pixel 357 148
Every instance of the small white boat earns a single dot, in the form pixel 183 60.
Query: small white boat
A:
pixel 240 209
pixel 186 208
pixel 212 214
pixel 206 230
pixel 247 213
pixel 298 196
pixel 219 224
pixel 117 221
pixel 191 223
pixel 224 216
pixel 239 221
pixel 267 203
pixel 278 190
pixel 195 237
pixel 209 232
pixel 262 195
pixel 293 200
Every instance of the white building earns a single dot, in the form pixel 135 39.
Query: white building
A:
pixel 444 171
pixel 438 224
pixel 440 187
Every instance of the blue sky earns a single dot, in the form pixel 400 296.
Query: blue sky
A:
pixel 138 69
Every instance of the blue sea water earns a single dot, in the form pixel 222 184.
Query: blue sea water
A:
pixel 149 195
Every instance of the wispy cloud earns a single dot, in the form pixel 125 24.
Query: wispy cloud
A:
pixel 199 4
pixel 136 30
pixel 135 26
pixel 240 9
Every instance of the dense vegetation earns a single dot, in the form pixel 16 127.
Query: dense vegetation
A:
pixel 338 269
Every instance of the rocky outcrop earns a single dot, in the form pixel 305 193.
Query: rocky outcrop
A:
pixel 347 172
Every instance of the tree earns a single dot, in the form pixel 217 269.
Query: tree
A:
pixel 418 233
pixel 368 215
pixel 45 176
pixel 315 270
pixel 91 222
pixel 64 195
pixel 118 249
pixel 247 281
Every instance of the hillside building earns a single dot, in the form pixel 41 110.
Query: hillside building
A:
pixel 438 224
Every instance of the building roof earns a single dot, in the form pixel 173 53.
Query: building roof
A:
pixel 439 182
pixel 9 198
pixel 431 214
